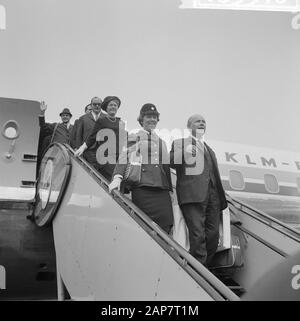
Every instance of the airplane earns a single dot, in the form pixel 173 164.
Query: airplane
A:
pixel 268 180
pixel 27 256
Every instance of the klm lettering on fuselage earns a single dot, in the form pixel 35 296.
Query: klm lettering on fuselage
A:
pixel 266 162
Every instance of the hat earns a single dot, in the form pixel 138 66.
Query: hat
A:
pixel 66 111
pixel 108 99
pixel 147 109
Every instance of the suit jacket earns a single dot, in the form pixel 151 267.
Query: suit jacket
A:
pixel 84 127
pixel 61 134
pixel 155 173
pixel 192 179
pixel 73 134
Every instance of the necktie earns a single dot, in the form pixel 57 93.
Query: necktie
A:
pixel 200 146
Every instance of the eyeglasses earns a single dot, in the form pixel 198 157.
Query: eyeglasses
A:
pixel 96 104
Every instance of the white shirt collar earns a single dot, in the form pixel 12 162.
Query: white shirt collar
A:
pixel 68 125
pixel 95 116
pixel 201 139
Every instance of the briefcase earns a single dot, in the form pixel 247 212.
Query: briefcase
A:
pixel 230 258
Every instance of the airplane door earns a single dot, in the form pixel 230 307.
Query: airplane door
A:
pixel 19 134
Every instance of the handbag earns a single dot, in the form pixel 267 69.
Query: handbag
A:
pixel 133 171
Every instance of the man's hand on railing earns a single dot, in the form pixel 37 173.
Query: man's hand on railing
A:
pixel 80 150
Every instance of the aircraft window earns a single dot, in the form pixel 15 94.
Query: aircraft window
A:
pixel 10 130
pixel 298 183
pixel 236 180
pixel 271 183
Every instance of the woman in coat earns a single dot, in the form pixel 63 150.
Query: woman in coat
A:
pixel 109 134
pixel 151 194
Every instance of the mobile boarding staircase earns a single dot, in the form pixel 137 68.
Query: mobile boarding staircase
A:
pixel 108 249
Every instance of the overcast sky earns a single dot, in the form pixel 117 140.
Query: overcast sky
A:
pixel 240 69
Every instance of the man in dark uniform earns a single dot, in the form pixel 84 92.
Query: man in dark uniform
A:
pixel 199 189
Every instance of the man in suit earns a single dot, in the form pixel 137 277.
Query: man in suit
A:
pixel 52 132
pixel 87 110
pixel 60 132
pixel 199 189
pixel 84 128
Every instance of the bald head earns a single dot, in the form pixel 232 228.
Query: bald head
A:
pixel 96 105
pixel 96 100
pixel 196 121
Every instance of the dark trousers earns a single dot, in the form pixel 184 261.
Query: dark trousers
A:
pixel 90 156
pixel 203 221
pixel 106 170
